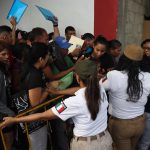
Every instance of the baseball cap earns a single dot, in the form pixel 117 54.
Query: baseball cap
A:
pixel 85 68
pixel 134 52
pixel 62 42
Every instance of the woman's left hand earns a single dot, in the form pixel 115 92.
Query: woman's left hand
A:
pixel 7 122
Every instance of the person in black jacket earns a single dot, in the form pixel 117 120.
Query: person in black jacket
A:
pixel 5 92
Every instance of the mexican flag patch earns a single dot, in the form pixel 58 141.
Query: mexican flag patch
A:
pixel 60 107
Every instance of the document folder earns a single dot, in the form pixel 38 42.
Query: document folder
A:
pixel 17 10
pixel 46 13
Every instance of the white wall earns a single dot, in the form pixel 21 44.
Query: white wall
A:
pixel 77 13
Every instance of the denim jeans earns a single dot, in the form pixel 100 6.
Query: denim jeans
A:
pixel 38 139
pixel 145 140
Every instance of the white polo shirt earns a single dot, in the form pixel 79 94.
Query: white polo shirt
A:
pixel 75 107
pixel 116 83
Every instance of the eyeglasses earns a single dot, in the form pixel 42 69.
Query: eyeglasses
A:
pixel 146 48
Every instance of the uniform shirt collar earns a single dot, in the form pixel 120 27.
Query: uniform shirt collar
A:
pixel 80 91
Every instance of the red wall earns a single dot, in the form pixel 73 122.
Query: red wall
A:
pixel 105 18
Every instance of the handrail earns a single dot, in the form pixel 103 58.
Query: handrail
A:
pixel 28 111
pixel 39 106
pixel 3 141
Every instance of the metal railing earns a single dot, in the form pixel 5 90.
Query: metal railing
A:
pixel 43 105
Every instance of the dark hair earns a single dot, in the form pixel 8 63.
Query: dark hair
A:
pixel 5 29
pixel 69 28
pixel 92 94
pixel 35 33
pixel 144 42
pixel 145 64
pixel 4 45
pixel 50 36
pixel 24 34
pixel 101 40
pixel 22 51
pixel 37 50
pixel 114 44
pixel 88 36
pixel 135 86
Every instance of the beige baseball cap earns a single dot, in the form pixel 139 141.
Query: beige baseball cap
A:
pixel 134 52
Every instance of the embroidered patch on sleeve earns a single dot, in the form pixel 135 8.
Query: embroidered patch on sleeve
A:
pixel 60 107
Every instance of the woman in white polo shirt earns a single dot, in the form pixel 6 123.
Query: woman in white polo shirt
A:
pixel 128 90
pixel 88 110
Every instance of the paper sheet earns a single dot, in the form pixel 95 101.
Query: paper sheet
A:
pixel 77 43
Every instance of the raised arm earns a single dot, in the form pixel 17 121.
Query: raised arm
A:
pixel 54 20
pixel 13 23
pixel 55 26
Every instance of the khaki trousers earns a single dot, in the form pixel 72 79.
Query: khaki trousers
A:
pixel 101 143
pixel 126 132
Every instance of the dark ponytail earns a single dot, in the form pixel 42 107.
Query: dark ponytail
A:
pixel 92 95
pixel 87 72
pixel 135 86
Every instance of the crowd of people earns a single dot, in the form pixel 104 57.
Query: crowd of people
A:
pixel 107 106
